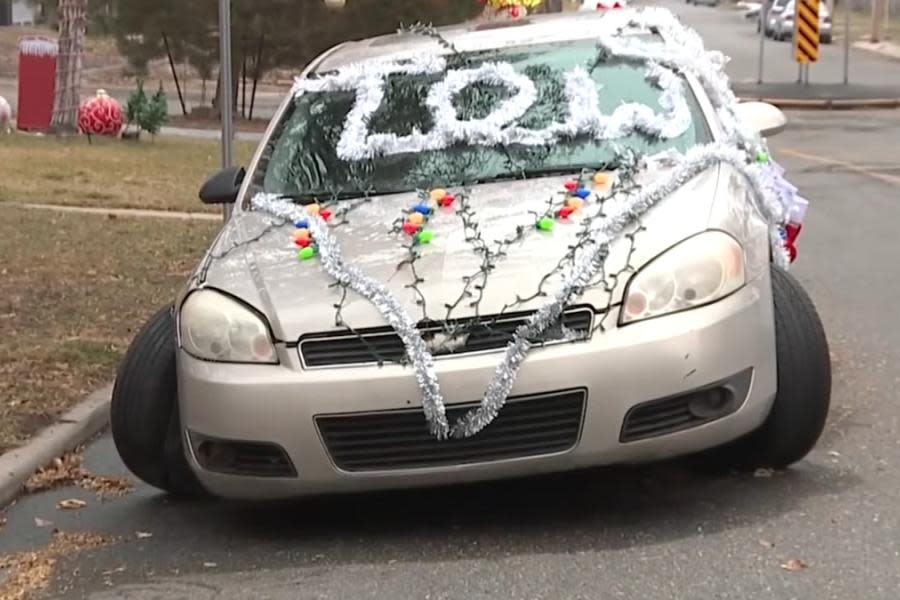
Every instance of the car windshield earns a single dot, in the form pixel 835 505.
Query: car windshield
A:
pixel 301 159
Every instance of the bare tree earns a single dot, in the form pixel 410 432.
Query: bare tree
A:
pixel 72 15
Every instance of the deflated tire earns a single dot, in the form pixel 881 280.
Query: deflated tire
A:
pixel 144 415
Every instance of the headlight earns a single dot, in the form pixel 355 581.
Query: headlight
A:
pixel 699 270
pixel 215 327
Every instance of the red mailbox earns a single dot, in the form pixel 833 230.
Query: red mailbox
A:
pixel 37 83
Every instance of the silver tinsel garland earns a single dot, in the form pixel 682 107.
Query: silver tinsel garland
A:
pixel 583 117
pixel 683 52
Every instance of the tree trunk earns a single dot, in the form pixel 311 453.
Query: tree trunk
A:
pixel 257 72
pixel 174 74
pixel 72 16
pixel 244 85
pixel 878 14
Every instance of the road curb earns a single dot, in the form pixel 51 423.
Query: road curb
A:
pixel 74 428
pixel 826 103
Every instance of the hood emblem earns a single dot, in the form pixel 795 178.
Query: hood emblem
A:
pixel 444 343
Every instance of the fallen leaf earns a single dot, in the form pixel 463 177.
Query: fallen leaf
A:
pixel 72 504
pixel 142 535
pixel 794 565
pixel 30 572
pixel 210 565
pixel 64 470
pixel 763 473
pixel 42 522
pixel 105 486
pixel 766 544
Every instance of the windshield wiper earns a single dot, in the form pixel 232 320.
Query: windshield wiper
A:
pixel 311 198
pixel 548 172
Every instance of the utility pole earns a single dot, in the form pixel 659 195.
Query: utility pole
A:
pixel 226 98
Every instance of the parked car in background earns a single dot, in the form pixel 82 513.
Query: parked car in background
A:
pixel 772 14
pixel 751 9
pixel 783 27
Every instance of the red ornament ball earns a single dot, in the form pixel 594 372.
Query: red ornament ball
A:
pixel 100 115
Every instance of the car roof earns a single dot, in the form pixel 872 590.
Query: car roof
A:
pixel 471 36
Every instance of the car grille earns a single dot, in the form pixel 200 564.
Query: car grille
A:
pixel 383 345
pixel 400 439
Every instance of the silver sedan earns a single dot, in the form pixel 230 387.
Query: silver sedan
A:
pixel 270 378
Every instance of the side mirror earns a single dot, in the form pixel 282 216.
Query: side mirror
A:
pixel 223 187
pixel 764 118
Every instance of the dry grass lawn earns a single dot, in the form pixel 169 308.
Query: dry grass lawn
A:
pixel 73 291
pixel 164 174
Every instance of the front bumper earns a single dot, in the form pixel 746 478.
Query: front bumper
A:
pixel 620 369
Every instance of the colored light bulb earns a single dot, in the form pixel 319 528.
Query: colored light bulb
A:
pixel 425 237
pixel 307 253
pixel 410 228
pixel 438 193
pixel 416 218
pixel 301 234
pixel 565 212
pixel 545 224
pixel 575 203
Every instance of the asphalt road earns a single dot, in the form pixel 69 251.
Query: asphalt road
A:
pixel 660 532
pixel 727 30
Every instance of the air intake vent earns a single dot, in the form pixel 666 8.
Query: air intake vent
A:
pixel 670 415
pixel 250 459
pixel 527 426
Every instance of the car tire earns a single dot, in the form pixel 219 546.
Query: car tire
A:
pixel 800 409
pixel 144 415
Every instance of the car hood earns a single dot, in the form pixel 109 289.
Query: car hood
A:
pixel 298 298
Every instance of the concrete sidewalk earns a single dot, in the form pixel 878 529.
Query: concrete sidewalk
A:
pixel 889 50
pixel 820 95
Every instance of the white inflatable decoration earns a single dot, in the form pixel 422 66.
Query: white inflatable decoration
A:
pixel 5 116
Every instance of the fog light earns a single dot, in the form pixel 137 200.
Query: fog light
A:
pixel 712 404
